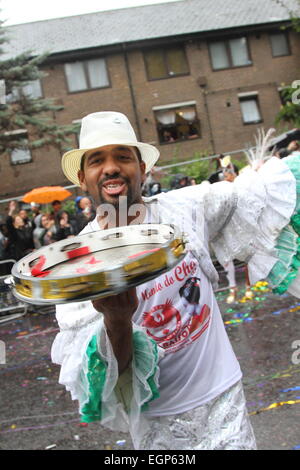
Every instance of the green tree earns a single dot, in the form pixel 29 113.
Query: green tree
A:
pixel 290 111
pixel 21 111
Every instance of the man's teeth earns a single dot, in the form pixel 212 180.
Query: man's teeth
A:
pixel 112 186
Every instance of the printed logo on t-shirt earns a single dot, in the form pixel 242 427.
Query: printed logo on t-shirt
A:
pixel 174 328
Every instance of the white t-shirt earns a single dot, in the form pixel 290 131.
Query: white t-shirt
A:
pixel 179 311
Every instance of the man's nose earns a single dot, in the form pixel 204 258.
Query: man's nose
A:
pixel 111 167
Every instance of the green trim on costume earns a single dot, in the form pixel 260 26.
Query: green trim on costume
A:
pixel 141 342
pixel 286 269
pixel 97 369
pixel 96 376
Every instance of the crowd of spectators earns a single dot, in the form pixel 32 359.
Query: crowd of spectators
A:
pixel 23 231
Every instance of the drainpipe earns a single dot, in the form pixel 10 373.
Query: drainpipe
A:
pixel 204 93
pixel 132 93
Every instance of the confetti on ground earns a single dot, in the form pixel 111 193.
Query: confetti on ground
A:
pixel 275 405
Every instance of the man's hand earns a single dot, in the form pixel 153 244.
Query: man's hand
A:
pixel 118 311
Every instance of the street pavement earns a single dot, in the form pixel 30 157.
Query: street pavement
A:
pixel 36 413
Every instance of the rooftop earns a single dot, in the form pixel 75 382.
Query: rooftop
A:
pixel 129 25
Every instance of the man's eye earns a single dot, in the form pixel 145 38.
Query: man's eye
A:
pixel 94 160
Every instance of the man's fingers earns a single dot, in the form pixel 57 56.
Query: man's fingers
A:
pixel 124 299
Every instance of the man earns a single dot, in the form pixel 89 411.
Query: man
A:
pixel 56 208
pixel 158 362
pixel 85 213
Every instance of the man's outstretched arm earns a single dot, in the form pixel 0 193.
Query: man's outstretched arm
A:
pixel 117 311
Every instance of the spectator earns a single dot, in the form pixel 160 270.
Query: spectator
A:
pixel 66 227
pixel 19 234
pixel 77 204
pixel 167 136
pixel 180 181
pixel 24 215
pixel 155 188
pixel 56 208
pixel 285 152
pixel 36 214
pixel 85 215
pixel 48 236
pixel 4 250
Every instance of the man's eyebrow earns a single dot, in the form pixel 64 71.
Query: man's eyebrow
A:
pixel 98 153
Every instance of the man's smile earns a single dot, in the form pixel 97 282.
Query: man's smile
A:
pixel 114 187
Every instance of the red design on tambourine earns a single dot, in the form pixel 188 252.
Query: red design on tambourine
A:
pixel 36 270
pixel 84 250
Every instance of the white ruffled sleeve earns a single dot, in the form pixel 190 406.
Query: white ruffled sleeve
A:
pixel 89 369
pixel 262 203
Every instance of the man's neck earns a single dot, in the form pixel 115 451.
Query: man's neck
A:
pixel 120 217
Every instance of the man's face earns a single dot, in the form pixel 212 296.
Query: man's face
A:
pixel 56 207
pixel 84 203
pixel 110 172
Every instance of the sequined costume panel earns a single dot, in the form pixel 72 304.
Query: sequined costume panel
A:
pixel 221 424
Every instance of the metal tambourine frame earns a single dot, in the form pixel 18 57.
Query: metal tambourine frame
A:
pixel 97 264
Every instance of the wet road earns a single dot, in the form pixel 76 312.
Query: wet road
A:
pixel 37 413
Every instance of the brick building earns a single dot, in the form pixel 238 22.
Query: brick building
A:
pixel 191 76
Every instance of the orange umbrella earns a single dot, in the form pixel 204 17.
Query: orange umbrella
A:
pixel 46 194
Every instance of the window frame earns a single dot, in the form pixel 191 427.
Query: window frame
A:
pixel 228 53
pixel 175 107
pixel 86 75
pixel 165 60
pixel 247 97
pixel 283 33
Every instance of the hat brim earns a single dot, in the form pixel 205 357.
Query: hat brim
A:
pixel 71 160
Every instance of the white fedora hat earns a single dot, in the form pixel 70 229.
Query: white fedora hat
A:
pixel 105 128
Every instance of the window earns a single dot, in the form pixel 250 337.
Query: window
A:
pixel 21 154
pixel 279 44
pixel 86 75
pixel 250 109
pixel 228 54
pixel 32 90
pixel 177 122
pixel 166 63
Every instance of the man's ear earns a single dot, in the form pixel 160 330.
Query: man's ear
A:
pixel 143 170
pixel 81 178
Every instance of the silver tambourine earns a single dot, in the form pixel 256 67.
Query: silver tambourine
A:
pixel 97 264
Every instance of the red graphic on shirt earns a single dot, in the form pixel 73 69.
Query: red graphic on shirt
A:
pixel 163 322
pixel 173 330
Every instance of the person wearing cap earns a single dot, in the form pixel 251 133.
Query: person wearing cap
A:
pixel 139 361
pixel 85 213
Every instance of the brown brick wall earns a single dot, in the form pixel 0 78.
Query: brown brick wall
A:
pixel 228 131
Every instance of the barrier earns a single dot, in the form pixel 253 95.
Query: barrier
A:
pixel 8 302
